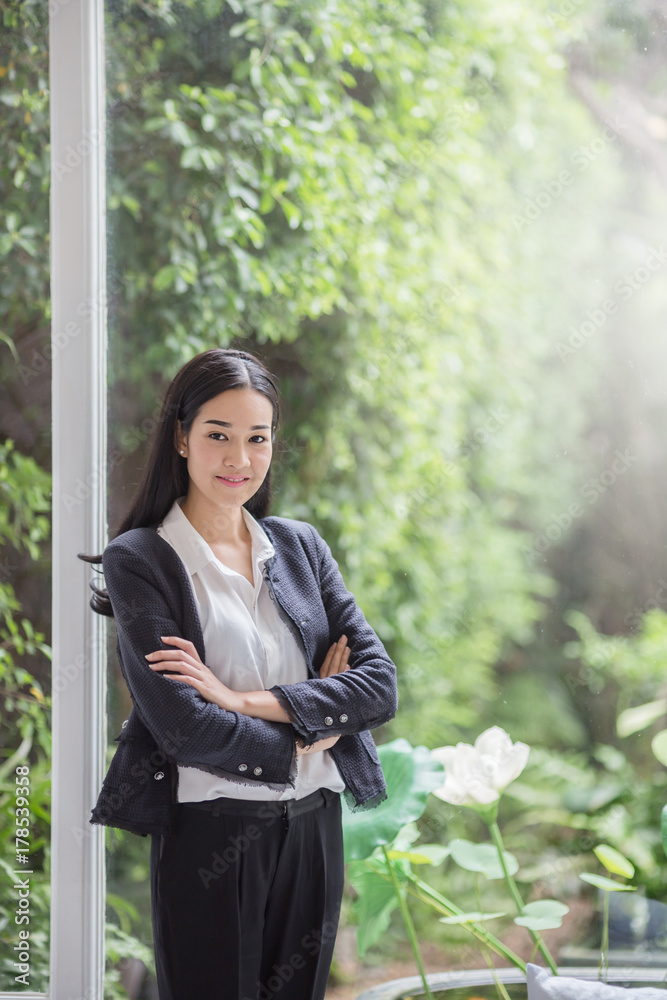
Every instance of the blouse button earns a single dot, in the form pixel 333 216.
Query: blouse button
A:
pixel 158 775
pixel 328 721
pixel 342 718
pixel 243 767
pixel 257 770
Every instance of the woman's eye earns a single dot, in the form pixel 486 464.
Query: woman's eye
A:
pixel 256 438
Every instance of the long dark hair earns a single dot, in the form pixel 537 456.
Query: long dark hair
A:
pixel 166 475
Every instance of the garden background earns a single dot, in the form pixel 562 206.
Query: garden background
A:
pixel 440 225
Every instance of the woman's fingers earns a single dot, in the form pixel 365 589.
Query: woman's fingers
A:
pixel 336 659
pixel 324 669
pixel 324 744
pixel 185 654
pixel 177 640
pixel 198 676
pixel 171 664
pixel 328 742
pixel 184 646
pixel 340 657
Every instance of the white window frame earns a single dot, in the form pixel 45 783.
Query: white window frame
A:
pixel 79 346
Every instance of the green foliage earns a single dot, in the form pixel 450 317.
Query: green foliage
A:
pixel 615 799
pixel 24 171
pixel 380 871
pixel 344 187
pixel 120 944
pixel 347 192
pixel 614 861
pixel 411 773
pixel 542 915
pixel 26 733
pixel 376 901
pixel 481 858
pixel 639 659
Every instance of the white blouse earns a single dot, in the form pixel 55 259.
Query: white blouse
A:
pixel 248 647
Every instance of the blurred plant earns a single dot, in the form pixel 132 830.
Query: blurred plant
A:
pixel 382 850
pixel 475 777
pixel 615 864
pixel 25 503
pixel 120 945
pixel 26 728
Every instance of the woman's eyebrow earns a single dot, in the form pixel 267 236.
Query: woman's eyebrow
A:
pixel 225 423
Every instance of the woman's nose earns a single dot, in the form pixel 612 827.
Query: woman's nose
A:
pixel 237 456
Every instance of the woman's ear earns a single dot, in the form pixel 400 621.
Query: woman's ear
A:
pixel 179 442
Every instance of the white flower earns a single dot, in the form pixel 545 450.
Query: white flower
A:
pixel 476 775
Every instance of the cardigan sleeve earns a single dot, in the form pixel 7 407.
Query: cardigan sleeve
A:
pixel 191 730
pixel 362 697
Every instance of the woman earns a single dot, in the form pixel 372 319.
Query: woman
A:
pixel 255 680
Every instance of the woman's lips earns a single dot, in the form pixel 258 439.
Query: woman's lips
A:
pixel 232 482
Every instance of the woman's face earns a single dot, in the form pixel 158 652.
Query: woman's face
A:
pixel 229 447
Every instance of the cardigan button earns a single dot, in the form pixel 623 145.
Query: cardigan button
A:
pixel 243 767
pixel 257 771
pixel 342 718
pixel 328 721
pixel 158 775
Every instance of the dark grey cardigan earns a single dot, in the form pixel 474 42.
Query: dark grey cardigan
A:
pixel 170 723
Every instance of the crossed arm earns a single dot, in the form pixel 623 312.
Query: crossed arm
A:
pixel 179 699
pixel 189 669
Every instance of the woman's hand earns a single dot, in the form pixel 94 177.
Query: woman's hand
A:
pixel 316 747
pixel 189 669
pixel 335 662
pixel 186 662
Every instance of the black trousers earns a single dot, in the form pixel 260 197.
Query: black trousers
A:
pixel 246 899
